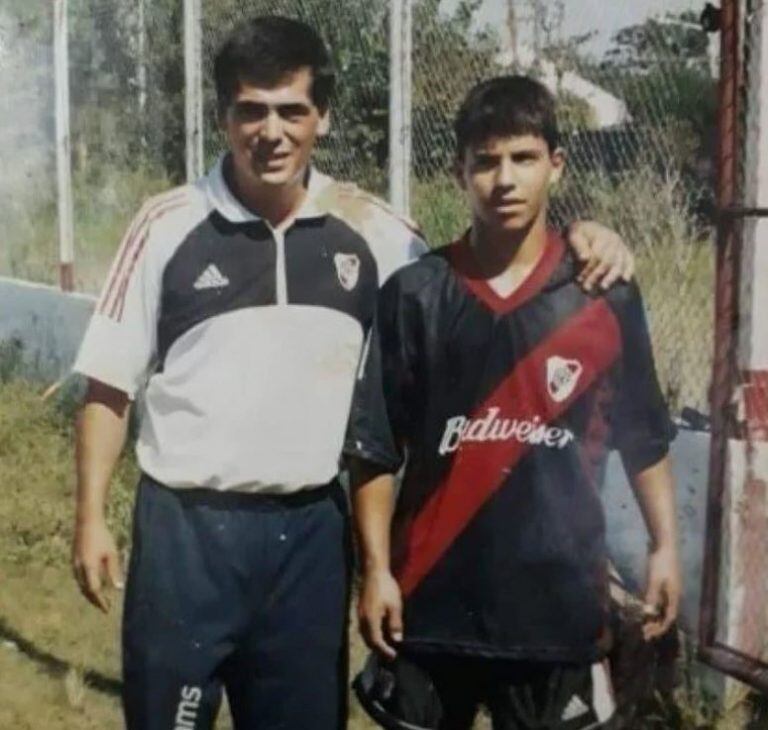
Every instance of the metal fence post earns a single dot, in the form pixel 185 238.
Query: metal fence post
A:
pixel 400 128
pixel 193 85
pixel 63 156
pixel 141 70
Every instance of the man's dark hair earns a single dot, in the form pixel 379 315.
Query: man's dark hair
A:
pixel 263 50
pixel 505 105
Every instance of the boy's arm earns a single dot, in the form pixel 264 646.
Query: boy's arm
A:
pixel 654 490
pixel 374 449
pixel 379 606
pixel 642 432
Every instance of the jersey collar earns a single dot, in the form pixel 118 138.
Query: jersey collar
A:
pixel 223 200
pixel 463 261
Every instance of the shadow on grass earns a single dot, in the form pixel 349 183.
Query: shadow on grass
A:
pixel 55 666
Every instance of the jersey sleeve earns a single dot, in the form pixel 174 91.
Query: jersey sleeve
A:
pixel 376 427
pixel 119 343
pixel 642 428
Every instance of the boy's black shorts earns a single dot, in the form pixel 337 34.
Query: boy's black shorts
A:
pixel 442 692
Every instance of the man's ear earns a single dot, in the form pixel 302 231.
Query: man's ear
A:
pixel 557 158
pixel 221 118
pixel 324 125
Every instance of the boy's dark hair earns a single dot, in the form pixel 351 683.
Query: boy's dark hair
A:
pixel 263 50
pixel 502 106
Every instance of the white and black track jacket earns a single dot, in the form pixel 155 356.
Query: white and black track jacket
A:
pixel 246 337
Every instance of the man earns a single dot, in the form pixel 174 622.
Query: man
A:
pixel 240 302
pixel 501 385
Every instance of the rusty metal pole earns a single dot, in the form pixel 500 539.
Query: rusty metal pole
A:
pixel 726 318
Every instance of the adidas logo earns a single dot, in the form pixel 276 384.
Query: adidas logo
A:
pixel 211 278
pixel 576 707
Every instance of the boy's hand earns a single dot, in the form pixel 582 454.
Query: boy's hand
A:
pixel 379 610
pixel 604 254
pixel 662 596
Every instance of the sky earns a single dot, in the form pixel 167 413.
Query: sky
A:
pixel 583 16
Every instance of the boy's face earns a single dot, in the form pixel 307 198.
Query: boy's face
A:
pixel 272 131
pixel 507 179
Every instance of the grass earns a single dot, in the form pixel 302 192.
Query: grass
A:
pixel 59 658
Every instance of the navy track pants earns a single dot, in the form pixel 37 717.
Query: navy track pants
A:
pixel 243 592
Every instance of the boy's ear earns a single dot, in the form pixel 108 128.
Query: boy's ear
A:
pixel 557 157
pixel 324 125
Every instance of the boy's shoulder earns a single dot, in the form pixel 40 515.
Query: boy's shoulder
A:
pixel 620 295
pixel 623 296
pixel 430 269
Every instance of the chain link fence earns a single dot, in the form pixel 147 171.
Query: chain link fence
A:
pixel 637 113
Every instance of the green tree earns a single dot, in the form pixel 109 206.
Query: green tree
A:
pixel 675 38
pixel 661 69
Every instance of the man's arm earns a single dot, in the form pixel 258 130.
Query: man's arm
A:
pixel 604 254
pixel 379 604
pixel 654 490
pixel 102 427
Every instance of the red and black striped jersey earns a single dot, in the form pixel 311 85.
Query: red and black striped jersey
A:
pixel 503 411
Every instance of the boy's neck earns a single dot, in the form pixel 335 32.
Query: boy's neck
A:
pixel 507 257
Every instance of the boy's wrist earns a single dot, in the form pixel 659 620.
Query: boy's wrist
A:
pixel 375 566
pixel 664 544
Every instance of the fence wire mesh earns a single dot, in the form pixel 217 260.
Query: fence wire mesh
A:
pixel 637 113
pixel 126 116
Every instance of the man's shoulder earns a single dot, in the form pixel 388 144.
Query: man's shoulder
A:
pixel 391 238
pixel 181 206
pixel 363 210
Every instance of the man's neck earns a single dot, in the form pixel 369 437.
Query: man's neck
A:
pixel 506 258
pixel 275 204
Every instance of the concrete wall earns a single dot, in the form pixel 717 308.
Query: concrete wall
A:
pixel 44 325
pixel 626 533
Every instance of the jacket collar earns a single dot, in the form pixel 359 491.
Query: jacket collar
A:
pixel 223 200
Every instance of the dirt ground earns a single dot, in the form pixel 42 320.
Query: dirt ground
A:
pixel 59 658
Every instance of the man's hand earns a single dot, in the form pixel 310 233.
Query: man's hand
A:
pixel 379 610
pixel 94 558
pixel 604 254
pixel 662 595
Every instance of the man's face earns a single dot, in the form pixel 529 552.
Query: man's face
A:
pixel 271 131
pixel 507 179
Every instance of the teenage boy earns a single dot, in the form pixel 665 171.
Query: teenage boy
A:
pixel 241 303
pixel 501 384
